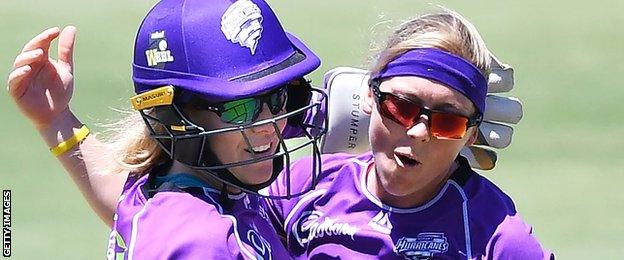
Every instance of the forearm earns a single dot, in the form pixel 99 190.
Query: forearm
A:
pixel 100 188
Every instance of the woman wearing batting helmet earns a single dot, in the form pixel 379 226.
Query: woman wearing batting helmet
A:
pixel 219 88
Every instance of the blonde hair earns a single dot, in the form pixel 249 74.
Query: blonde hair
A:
pixel 128 146
pixel 445 30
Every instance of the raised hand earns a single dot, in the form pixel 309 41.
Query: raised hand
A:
pixel 40 85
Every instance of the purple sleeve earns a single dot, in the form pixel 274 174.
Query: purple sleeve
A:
pixel 179 226
pixel 300 179
pixel 513 239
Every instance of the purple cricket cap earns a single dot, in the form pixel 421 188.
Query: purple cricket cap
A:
pixel 220 49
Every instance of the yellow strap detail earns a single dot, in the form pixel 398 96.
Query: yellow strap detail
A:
pixel 71 142
pixel 179 128
pixel 156 97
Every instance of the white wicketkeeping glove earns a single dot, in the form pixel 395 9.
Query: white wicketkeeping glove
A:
pixel 348 124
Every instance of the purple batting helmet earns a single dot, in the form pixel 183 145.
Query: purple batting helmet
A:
pixel 219 51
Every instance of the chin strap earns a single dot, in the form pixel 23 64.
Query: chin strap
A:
pixel 224 200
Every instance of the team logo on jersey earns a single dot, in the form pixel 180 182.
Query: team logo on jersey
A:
pixel 423 246
pixel 312 224
pixel 242 23
pixel 157 53
pixel 381 223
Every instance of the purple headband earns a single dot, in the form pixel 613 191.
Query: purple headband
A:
pixel 448 69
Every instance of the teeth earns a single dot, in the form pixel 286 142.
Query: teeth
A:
pixel 406 160
pixel 262 148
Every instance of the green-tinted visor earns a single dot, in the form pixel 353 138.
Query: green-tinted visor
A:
pixel 246 110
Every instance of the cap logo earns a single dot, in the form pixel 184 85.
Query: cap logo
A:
pixel 157 52
pixel 242 23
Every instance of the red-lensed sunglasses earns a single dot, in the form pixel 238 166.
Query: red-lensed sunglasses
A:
pixel 442 125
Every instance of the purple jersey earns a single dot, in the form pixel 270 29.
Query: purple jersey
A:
pixel 190 225
pixel 469 218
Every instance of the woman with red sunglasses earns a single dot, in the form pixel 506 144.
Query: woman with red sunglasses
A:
pixel 413 196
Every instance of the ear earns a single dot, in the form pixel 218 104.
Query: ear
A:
pixel 369 102
pixel 474 134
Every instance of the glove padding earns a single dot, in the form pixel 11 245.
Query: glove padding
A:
pixel 348 124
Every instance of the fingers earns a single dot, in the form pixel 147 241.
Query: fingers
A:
pixel 501 77
pixel 15 84
pixel 66 46
pixel 28 57
pixel 42 41
pixel 494 135
pixel 503 109
pixel 480 158
pixel 500 80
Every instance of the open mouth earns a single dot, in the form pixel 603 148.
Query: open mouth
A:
pixel 406 161
pixel 259 149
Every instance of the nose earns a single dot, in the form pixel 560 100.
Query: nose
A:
pixel 267 128
pixel 420 130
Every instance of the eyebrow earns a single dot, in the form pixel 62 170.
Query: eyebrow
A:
pixel 448 107
pixel 442 107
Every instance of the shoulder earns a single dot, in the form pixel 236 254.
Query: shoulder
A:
pixel 481 189
pixel 175 224
pixel 513 239
pixel 332 161
pixel 338 163
pixel 484 196
pixel 497 229
pixel 330 166
pixel 341 166
pixel 187 211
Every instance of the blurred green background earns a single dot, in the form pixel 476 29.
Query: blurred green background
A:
pixel 563 169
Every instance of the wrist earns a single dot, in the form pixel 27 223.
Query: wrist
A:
pixel 64 119
pixel 60 129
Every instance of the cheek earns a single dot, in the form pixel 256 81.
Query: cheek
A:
pixel 224 146
pixel 205 119
pixel 378 133
pixel 444 152
pixel 281 124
